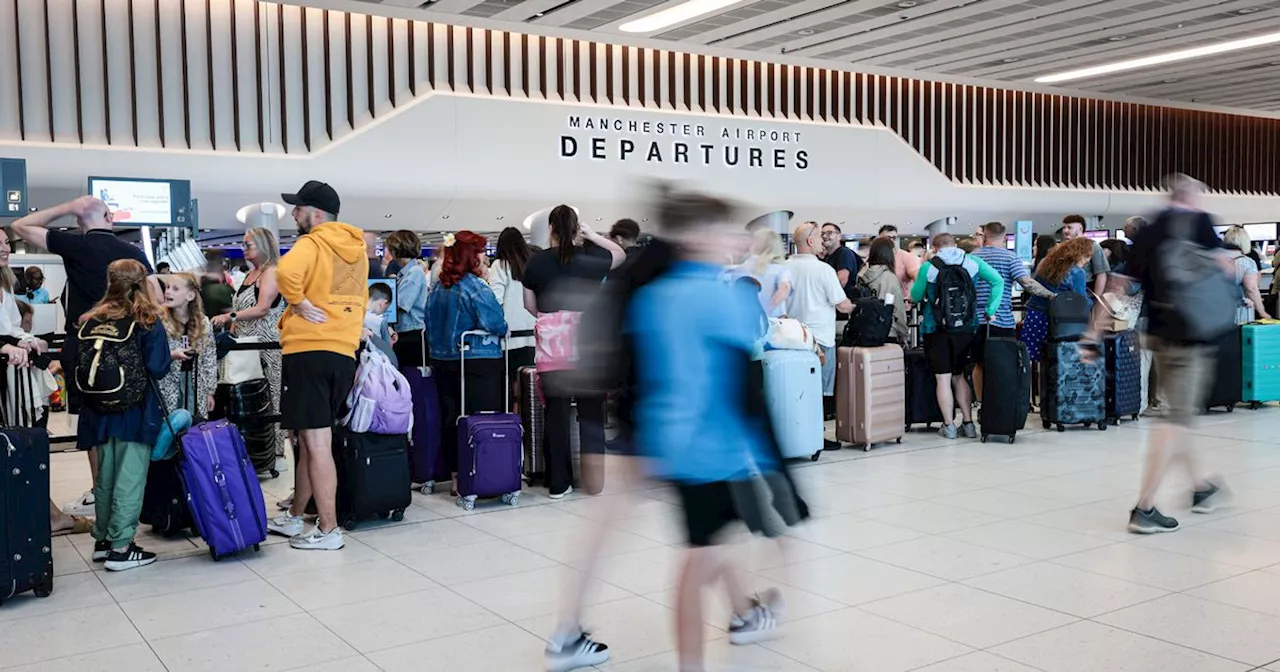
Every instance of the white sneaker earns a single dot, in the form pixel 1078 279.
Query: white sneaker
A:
pixel 573 651
pixel 761 622
pixel 561 495
pixel 287 525
pixel 315 540
pixel 81 507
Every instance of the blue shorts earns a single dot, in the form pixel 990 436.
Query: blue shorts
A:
pixel 828 370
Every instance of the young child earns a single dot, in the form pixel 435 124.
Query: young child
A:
pixel 375 319
pixel 124 439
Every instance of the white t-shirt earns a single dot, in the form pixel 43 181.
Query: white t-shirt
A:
pixel 815 293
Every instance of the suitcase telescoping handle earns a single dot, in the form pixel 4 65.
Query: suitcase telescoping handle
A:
pixel 506 364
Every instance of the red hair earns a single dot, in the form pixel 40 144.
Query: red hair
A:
pixel 462 257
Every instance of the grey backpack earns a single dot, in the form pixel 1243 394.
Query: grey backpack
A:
pixel 1199 299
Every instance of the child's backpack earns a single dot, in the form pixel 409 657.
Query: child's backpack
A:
pixel 380 401
pixel 955 298
pixel 109 367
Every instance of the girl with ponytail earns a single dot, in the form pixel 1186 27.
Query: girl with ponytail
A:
pixel 124 437
pixel 559 283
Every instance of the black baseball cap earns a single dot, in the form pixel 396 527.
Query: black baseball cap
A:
pixel 317 195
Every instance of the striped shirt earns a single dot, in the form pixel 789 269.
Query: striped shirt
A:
pixel 1011 270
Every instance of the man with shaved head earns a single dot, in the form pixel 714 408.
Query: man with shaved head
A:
pixel 85 255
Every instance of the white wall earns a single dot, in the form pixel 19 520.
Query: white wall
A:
pixel 477 159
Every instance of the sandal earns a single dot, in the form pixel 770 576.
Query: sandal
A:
pixel 79 525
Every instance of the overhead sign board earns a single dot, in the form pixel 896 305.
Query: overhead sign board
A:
pixel 13 187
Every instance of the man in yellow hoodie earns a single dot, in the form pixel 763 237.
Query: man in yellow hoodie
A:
pixel 324 280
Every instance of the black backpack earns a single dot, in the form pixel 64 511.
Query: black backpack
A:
pixel 1068 316
pixel 955 298
pixel 110 372
pixel 869 324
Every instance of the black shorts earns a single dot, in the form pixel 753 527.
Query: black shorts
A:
pixel 314 388
pixel 948 353
pixel 708 509
pixel 977 350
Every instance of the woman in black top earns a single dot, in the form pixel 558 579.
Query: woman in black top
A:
pixel 559 282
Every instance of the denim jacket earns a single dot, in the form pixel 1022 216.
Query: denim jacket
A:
pixel 469 305
pixel 411 298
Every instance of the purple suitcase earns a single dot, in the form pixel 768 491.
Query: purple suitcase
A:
pixel 490 448
pixel 222 489
pixel 427 464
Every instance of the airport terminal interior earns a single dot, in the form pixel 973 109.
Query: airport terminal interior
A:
pixel 839 124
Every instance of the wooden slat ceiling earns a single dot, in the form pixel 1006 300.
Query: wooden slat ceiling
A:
pixel 1004 41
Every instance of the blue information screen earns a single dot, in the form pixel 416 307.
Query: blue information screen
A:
pixel 13 187
pixel 144 202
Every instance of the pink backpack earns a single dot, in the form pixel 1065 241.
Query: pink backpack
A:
pixel 380 401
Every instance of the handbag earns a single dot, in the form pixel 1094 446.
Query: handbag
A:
pixel 239 366
pixel 556 340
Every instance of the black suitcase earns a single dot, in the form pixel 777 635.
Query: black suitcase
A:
pixel 373 476
pixel 26 545
pixel 1124 375
pixel 164 500
pixel 1227 387
pixel 1006 389
pixel 248 406
pixel 922 390
pixel 1072 391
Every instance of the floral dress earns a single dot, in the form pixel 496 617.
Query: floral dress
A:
pixel 181 389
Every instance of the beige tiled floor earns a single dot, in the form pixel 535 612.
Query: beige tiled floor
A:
pixel 929 556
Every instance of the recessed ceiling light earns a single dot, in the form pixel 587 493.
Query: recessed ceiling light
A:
pixel 1160 59
pixel 908 4
pixel 387 216
pixel 806 32
pixel 1118 38
pixel 1171 81
pixel 1247 10
pixel 1012 59
pixel 672 15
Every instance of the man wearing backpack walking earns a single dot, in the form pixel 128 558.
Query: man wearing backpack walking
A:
pixel 324 279
pixel 1191 295
pixel 947 287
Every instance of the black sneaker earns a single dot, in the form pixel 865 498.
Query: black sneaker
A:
pixel 101 549
pixel 1150 522
pixel 1207 500
pixel 131 558
pixel 573 651
pixel 828 444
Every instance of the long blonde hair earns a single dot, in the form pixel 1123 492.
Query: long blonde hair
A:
pixel 265 242
pixel 194 328
pixel 773 252
pixel 126 296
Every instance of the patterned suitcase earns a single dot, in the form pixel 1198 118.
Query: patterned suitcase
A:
pixel 1072 391
pixel 793 393
pixel 1260 363
pixel 871 395
pixel 1124 375
pixel 26 547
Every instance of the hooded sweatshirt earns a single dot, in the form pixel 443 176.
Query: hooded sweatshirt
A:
pixel 327 266
pixel 883 282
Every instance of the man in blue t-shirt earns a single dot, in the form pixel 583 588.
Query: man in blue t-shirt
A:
pixel 845 261
pixel 1011 269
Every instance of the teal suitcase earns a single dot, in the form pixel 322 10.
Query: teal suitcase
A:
pixel 1260 344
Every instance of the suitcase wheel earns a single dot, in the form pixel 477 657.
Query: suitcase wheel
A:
pixel 1255 405
pixel 1046 424
pixel 350 524
pixel 257 548
pixel 467 504
pixel 1102 426
pixel 815 456
pixel 1115 422
pixel 510 499
pixel 1135 417
pixel 213 554
pixel 1231 408
pixel 427 488
pixel 397 515
pixel 866 448
pixel 1061 428
pixel 899 440
pixel 45 589
pixel 984 438
pixel 274 473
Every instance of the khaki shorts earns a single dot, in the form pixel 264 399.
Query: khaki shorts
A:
pixel 1182 373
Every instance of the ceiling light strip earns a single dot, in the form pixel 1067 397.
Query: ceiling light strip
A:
pixel 691 9
pixel 1160 59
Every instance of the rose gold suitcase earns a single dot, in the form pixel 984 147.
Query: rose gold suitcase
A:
pixel 871 395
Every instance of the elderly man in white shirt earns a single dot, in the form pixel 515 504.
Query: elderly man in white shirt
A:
pixel 816 296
